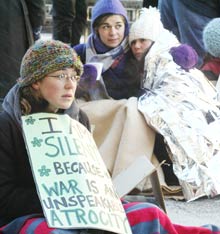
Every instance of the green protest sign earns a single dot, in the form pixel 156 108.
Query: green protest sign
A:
pixel 72 181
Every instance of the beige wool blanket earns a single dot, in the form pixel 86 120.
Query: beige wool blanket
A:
pixel 121 134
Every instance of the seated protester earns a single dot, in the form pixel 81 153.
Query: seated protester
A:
pixel 48 85
pixel 178 103
pixel 211 40
pixel 40 89
pixel 141 39
pixel 108 44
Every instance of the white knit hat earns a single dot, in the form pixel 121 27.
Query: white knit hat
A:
pixel 148 26
pixel 211 37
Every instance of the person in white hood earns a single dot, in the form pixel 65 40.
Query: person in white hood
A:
pixel 178 102
pixel 149 29
pixel 147 35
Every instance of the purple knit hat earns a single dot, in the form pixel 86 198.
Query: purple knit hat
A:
pixel 185 56
pixel 103 7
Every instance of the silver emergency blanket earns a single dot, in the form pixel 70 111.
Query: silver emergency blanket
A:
pixel 183 106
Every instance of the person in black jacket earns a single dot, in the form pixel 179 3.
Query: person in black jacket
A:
pixel 187 19
pixel 50 71
pixel 20 25
pixel 69 20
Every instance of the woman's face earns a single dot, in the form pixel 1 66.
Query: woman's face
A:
pixel 58 89
pixel 111 31
pixel 139 47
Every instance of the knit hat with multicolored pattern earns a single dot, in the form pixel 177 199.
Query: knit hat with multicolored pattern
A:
pixel 45 57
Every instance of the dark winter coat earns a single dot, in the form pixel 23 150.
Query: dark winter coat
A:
pixel 69 20
pixel 210 9
pixel 18 195
pixel 18 19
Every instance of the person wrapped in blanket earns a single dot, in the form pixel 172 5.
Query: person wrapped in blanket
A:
pixel 142 36
pixel 178 102
pixel 49 74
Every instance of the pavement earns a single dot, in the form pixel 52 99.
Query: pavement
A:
pixel 194 213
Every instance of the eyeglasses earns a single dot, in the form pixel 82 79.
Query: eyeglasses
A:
pixel 64 76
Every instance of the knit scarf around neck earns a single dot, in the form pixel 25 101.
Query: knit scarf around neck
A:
pixel 97 52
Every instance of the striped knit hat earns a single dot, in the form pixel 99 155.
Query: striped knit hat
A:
pixel 45 57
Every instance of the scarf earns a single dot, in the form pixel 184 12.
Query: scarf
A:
pixel 96 52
